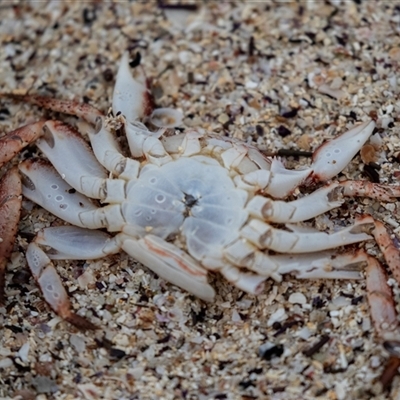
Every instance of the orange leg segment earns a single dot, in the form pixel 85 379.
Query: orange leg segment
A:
pixel 10 208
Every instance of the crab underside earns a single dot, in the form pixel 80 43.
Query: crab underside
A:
pixel 185 204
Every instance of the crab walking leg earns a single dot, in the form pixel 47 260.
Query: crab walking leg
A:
pixel 265 236
pixel 10 208
pixel 52 288
pixel 65 242
pixel 333 156
pixel 169 262
pixel 248 282
pixel 73 243
pixel 81 110
pixel 371 190
pixel 380 299
pixel 307 207
pixel 389 250
pixel 322 265
pixel 12 143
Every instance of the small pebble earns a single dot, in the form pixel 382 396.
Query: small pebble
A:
pixel 297 298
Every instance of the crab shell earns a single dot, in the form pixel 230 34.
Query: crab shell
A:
pixel 190 203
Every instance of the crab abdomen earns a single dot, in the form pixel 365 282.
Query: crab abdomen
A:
pixel 189 197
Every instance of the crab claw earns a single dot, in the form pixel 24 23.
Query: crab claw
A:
pixel 333 156
pixel 131 96
pixel 10 207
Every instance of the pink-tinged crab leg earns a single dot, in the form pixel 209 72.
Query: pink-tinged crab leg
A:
pixel 169 262
pixel 81 110
pixel 52 288
pixel 12 143
pixel 371 190
pixel 307 207
pixel 333 156
pixel 380 299
pixel 10 207
pixel 390 252
pixel 265 236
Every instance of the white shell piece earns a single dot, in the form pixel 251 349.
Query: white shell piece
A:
pixel 166 118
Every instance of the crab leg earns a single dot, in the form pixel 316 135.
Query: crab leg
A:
pixel 307 207
pixel 327 265
pixel 133 99
pixel 318 202
pixel 380 299
pixel 51 286
pixel 328 160
pixel 265 236
pixel 388 249
pixel 10 207
pixel 73 243
pixel 70 107
pixel 371 190
pixel 65 242
pixel 12 143
pixel 131 96
pixel 169 262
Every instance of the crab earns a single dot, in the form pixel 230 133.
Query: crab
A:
pixel 185 204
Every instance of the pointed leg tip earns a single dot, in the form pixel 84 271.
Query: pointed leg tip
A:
pixel 81 323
